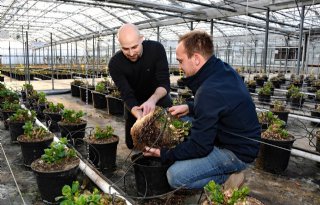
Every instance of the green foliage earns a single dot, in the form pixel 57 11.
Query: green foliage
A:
pixel 10 106
pixel 34 132
pixel 268 118
pixel 180 126
pixel 9 95
pixel 278 106
pixel 75 196
pixel 276 131
pixel 292 90
pixel 58 151
pixel 252 83
pixel 217 196
pixel 101 87
pixel 115 93
pixel 42 98
pixel 318 95
pixel 265 90
pixel 22 115
pixel 77 82
pixel 55 108
pixel 102 133
pixel 72 116
pixel 27 87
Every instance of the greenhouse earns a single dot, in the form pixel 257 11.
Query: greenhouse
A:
pixel 160 102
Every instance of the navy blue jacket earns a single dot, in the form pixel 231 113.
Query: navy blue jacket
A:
pixel 223 112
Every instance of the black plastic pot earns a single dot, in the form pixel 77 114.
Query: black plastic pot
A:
pixel 274 159
pixel 282 115
pixel 50 183
pixel 33 150
pixel 74 132
pixel 103 156
pixel 6 115
pixel 296 102
pixel 115 105
pixel 52 120
pixel 85 93
pixel 260 82
pixel 252 89
pixel 150 175
pixel 315 114
pixel 16 130
pixel 99 100
pixel 264 98
pixel 75 91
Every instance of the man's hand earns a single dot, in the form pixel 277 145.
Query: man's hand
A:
pixel 137 112
pixel 147 107
pixel 151 152
pixel 179 110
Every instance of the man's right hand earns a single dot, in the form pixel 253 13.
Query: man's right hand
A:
pixel 179 110
pixel 137 112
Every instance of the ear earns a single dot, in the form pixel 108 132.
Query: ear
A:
pixel 141 38
pixel 196 59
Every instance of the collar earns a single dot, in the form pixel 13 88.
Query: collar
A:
pixel 194 81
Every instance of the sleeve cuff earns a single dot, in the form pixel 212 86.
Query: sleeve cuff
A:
pixel 167 156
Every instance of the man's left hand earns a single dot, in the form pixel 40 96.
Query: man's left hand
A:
pixel 147 107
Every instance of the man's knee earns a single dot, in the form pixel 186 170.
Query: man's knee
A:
pixel 174 179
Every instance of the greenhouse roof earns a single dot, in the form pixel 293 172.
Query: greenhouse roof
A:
pixel 72 20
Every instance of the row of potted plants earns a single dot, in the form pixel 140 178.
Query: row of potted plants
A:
pixel 104 95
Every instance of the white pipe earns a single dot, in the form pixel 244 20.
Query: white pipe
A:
pixel 99 181
pixel 307 155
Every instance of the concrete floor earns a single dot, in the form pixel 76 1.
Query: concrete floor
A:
pixel 299 184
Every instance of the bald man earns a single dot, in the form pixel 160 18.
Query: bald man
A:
pixel 140 71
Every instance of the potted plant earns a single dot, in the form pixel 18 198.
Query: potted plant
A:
pixel 17 120
pixel 252 86
pixel 276 82
pixel 259 80
pixel 217 195
pixel 115 103
pixel 99 95
pixel 297 98
pixel 272 158
pixel 57 167
pixel 266 119
pixel 75 87
pixel 33 142
pixel 9 108
pixel 72 125
pixel 279 109
pixel 264 94
pixel 291 89
pixel 26 89
pixel 74 194
pixel 103 148
pixel 42 103
pixel 52 116
pixel 282 78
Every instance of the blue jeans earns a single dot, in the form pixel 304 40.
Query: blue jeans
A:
pixel 218 165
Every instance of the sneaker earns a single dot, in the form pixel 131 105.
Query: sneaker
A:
pixel 235 181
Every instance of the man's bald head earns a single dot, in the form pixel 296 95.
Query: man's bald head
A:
pixel 130 41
